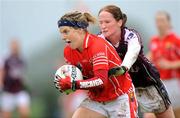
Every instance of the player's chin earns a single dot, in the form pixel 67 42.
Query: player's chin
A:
pixel 73 46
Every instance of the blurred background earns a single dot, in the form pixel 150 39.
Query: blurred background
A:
pixel 34 22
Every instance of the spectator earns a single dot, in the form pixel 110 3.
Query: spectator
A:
pixel 165 53
pixel 11 78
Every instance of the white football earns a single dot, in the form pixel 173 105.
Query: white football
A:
pixel 68 70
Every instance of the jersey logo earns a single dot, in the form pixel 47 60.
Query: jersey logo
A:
pixel 130 36
pixel 92 83
pixel 168 45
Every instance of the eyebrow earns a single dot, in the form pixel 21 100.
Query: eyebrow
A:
pixel 64 30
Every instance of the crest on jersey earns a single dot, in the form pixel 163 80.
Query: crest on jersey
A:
pixel 130 36
pixel 168 45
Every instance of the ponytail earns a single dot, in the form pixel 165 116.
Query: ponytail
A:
pixel 89 18
pixel 124 19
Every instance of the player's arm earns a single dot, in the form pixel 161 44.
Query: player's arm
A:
pixel 133 50
pixel 173 64
pixel 98 81
pixel 166 64
pixel 131 55
pixel 100 70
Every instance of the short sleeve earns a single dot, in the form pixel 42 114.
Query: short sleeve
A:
pixel 178 46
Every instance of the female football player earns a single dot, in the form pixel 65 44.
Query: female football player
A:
pixel 165 53
pixel 109 96
pixel 150 91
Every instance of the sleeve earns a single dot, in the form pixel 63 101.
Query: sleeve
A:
pixel 99 56
pixel 100 67
pixel 178 47
pixel 133 49
pixel 98 81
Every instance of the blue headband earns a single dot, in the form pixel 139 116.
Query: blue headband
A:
pixel 63 22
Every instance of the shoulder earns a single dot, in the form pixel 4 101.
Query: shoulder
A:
pixel 173 36
pixel 154 39
pixel 67 54
pixel 131 34
pixel 154 43
pixel 97 40
pixel 67 49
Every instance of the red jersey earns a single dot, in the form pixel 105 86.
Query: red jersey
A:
pixel 167 48
pixel 98 54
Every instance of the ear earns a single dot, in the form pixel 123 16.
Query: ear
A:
pixel 80 30
pixel 120 23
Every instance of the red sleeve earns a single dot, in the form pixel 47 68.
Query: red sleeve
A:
pixel 99 54
pixel 178 48
pixel 176 42
pixel 98 81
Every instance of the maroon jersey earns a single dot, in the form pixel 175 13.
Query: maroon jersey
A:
pixel 13 78
pixel 143 72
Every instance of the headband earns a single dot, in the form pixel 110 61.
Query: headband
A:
pixel 80 24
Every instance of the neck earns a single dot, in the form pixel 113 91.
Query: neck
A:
pixel 82 38
pixel 114 38
pixel 164 33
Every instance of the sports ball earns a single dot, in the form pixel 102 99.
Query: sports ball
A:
pixel 69 70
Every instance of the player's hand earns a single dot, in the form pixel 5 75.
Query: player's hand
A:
pixel 64 84
pixel 117 71
pixel 56 83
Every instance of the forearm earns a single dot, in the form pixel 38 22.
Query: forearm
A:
pixel 175 65
pixel 166 64
pixel 98 81
pixel 131 54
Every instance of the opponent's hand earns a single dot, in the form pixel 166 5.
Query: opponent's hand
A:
pixel 117 71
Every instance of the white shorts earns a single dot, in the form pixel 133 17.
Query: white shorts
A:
pixel 77 99
pixel 118 108
pixel 150 100
pixel 173 88
pixel 11 101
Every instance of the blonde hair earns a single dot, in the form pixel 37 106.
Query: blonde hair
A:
pixel 79 17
